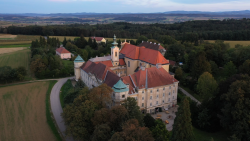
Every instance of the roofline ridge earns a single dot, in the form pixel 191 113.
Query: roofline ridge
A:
pixel 132 80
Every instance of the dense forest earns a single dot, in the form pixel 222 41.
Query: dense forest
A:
pixel 228 29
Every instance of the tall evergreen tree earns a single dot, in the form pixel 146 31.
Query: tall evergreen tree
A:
pixel 94 44
pixel 200 65
pixel 64 42
pixel 182 128
pixel 90 42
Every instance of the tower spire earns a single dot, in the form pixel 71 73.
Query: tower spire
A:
pixel 114 43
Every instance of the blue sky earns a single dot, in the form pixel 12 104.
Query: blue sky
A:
pixel 119 6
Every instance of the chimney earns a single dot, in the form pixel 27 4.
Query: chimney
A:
pixel 150 42
pixel 129 42
pixel 96 56
pixel 141 41
pixel 127 85
pixel 159 44
pixel 142 68
pixel 119 74
pixel 158 65
pixel 154 43
pixel 125 40
pixel 147 41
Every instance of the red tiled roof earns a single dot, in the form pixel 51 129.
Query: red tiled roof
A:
pixel 156 77
pixel 107 63
pixel 111 79
pixel 121 62
pixel 99 69
pixel 62 50
pixel 172 63
pixel 97 38
pixel 127 80
pixel 151 46
pixel 144 54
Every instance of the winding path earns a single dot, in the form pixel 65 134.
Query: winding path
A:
pixel 189 95
pixel 56 107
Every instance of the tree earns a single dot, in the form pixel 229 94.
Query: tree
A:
pixel 94 44
pixel 168 40
pixel 140 39
pixel 204 118
pixel 149 121
pixel 245 67
pixel 90 43
pixel 101 95
pixel 214 67
pixel 182 128
pixel 235 111
pixel 133 109
pixel 177 50
pixel 118 116
pixel 207 85
pixel 160 132
pixel 200 65
pixel 101 117
pixel 101 133
pixel 77 117
pixel 178 73
pixel 229 69
pixel 132 131
pixel 116 137
pixel 64 42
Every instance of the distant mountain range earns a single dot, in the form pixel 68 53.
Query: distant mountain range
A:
pixel 244 12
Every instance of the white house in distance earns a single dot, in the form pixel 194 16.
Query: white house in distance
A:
pixel 63 53
pixel 99 39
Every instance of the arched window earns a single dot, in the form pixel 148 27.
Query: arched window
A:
pixel 128 63
pixel 115 54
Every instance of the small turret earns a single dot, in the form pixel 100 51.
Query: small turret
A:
pixel 78 62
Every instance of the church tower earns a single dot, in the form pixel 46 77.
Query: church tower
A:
pixel 115 53
pixel 78 62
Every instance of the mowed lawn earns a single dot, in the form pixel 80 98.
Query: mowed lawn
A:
pixel 23 113
pixel 233 43
pixel 17 58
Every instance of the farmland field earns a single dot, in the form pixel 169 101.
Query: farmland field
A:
pixel 8 39
pixel 16 59
pixel 233 43
pixel 23 113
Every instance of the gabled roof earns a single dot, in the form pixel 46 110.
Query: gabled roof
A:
pixel 107 63
pixel 151 45
pixel 144 54
pixel 127 80
pixel 62 50
pixel 79 59
pixel 155 77
pixel 97 38
pixel 121 62
pixel 120 87
pixel 111 79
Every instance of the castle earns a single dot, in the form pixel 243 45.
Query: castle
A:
pixel 140 72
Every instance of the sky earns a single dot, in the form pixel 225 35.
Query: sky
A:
pixel 120 6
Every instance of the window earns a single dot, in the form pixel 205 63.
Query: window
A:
pixel 157 96
pixel 157 90
pixel 156 102
pixel 121 72
pixel 169 99
pixel 142 91
pixel 123 96
pixel 116 72
pixel 115 54
pixel 163 94
pixel 163 88
pixel 142 104
pixel 169 87
pixel 173 97
pixel 142 98
pixel 135 98
pixel 162 101
pixel 151 97
pixel 125 72
pixel 113 95
pixel 151 91
pixel 150 104
pixel 169 93
pixel 128 63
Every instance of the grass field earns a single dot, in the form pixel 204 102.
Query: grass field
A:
pixel 15 59
pixel 205 136
pixel 233 43
pixel 14 45
pixel 23 113
pixel 9 50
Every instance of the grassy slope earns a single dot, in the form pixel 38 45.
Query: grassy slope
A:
pixel 50 121
pixel 23 112
pixel 15 59
pixel 205 136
